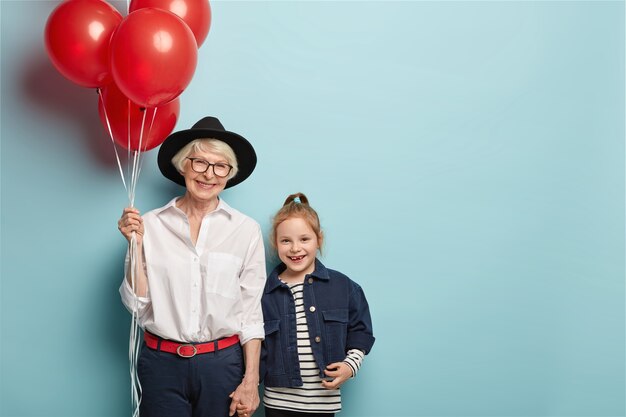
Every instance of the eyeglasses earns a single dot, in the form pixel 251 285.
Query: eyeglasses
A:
pixel 220 169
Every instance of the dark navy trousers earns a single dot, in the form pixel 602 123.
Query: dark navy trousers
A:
pixel 188 387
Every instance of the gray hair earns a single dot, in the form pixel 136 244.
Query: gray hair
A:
pixel 206 145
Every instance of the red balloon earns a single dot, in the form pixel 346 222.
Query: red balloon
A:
pixel 196 13
pixel 77 39
pixel 153 56
pixel 158 124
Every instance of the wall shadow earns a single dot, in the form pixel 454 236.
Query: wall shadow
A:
pixel 45 88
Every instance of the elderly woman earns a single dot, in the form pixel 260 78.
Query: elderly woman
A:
pixel 197 291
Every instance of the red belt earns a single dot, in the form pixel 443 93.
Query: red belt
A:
pixel 187 350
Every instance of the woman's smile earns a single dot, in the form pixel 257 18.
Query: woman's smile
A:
pixel 205 185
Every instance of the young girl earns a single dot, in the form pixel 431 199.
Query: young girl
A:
pixel 317 322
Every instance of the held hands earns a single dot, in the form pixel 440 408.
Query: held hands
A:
pixel 130 222
pixel 340 372
pixel 245 399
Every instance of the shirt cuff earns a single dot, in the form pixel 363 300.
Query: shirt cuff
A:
pixel 130 300
pixel 354 359
pixel 251 331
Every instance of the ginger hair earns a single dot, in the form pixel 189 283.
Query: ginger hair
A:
pixel 292 208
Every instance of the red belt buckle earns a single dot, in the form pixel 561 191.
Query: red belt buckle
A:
pixel 179 351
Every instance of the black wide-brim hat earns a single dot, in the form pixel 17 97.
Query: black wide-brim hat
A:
pixel 207 128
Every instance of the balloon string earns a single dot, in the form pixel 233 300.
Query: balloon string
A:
pixel 133 174
pixel 133 177
pixel 128 159
pixel 134 335
pixel 133 344
pixel 135 263
pixel 143 124
pixel 137 157
pixel 134 339
pixel 117 157
pixel 148 135
pixel 152 121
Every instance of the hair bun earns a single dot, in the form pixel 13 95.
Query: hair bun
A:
pixel 297 198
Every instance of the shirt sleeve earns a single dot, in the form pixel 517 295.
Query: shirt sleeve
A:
pixel 132 302
pixel 252 283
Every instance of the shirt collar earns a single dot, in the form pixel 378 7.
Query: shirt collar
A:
pixel 221 206
pixel 273 282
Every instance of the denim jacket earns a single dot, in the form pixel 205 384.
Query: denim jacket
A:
pixel 338 319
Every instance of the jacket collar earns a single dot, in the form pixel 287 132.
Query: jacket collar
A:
pixel 274 282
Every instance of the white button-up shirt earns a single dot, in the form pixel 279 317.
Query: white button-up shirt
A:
pixel 202 292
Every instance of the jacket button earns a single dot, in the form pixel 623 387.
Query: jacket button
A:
pixel 310 280
pixel 318 339
pixel 312 309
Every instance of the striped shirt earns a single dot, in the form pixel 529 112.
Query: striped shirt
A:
pixel 311 397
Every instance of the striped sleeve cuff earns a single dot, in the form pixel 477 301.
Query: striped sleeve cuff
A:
pixel 354 359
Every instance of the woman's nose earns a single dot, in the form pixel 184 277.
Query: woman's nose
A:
pixel 210 173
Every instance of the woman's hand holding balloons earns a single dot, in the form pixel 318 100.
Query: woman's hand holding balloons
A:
pixel 130 222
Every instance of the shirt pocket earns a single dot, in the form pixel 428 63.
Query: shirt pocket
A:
pixel 336 329
pixel 221 276
pixel 273 349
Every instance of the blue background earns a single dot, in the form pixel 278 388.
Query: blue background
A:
pixel 467 161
